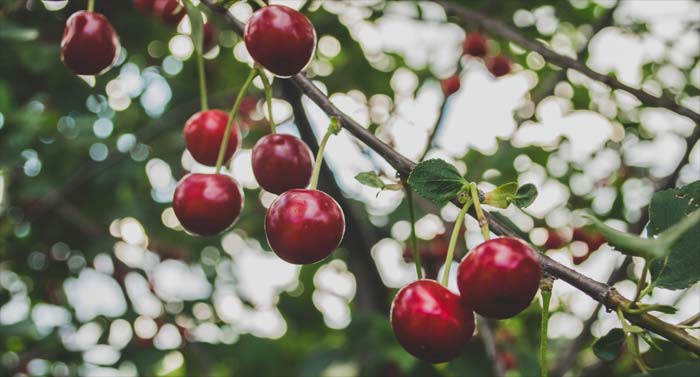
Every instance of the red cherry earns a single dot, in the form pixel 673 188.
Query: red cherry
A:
pixel 556 239
pixel 204 132
pixel 281 39
pixel 207 204
pixel 281 163
pixel 432 254
pixel 304 226
pixel 431 322
pixel 144 5
pixel 593 238
pixel 475 44
pixel 499 65
pixel 90 45
pixel 211 37
pixel 508 360
pixel 170 12
pixel 499 278
pixel 450 85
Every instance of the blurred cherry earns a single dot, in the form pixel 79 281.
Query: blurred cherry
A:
pixel 281 39
pixel 211 37
pixel 556 239
pixel 90 45
pixel 171 12
pixel 475 44
pixel 143 5
pixel 499 65
pixel 450 85
pixel 431 322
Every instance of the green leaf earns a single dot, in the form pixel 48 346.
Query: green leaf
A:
pixel 197 26
pixel 608 347
pixel 682 266
pixel 685 369
pixel 502 196
pixel 525 195
pixel 437 181
pixel 370 178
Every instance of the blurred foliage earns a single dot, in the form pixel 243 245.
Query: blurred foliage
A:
pixel 47 117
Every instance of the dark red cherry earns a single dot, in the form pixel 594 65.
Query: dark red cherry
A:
pixel 90 45
pixel 304 226
pixel 431 322
pixel 450 85
pixel 475 44
pixel 282 162
pixel 499 278
pixel 211 37
pixel 499 65
pixel 170 12
pixel 281 39
pixel 145 6
pixel 207 204
pixel 556 239
pixel 432 254
pixel 204 132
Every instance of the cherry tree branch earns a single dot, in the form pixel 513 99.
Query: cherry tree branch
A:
pixel 601 292
pixel 498 28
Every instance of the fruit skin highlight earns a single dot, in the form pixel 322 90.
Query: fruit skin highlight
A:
pixel 281 163
pixel 499 278
pixel 431 322
pixel 90 45
pixel 304 226
pixel 281 39
pixel 207 204
pixel 204 132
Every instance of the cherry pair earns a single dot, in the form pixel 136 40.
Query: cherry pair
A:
pixel 498 279
pixel 475 44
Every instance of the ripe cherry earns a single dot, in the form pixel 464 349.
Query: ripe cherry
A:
pixel 281 163
pixel 475 45
pixel 431 322
pixel 281 39
pixel 304 226
pixel 170 12
pixel 207 204
pixel 211 37
pixel 593 240
pixel 204 132
pixel 89 45
pixel 450 85
pixel 499 65
pixel 499 278
pixel 556 239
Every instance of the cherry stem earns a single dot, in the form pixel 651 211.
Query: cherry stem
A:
pixel 414 240
pixel 268 98
pixel 261 3
pixel 333 129
pixel 483 223
pixel 453 242
pixel 546 296
pixel 231 115
pixel 640 284
pixel 202 82
pixel 91 6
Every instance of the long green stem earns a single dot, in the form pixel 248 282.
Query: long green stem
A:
pixel 483 223
pixel 91 6
pixel 640 284
pixel 202 83
pixel 414 240
pixel 231 116
pixel 546 296
pixel 268 98
pixel 453 243
pixel 333 129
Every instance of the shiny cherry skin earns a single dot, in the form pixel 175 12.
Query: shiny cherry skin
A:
pixel 171 12
pixel 89 46
pixel 450 85
pixel 207 204
pixel 499 278
pixel 281 163
pixel 211 37
pixel 475 44
pixel 499 65
pixel 281 39
pixel 204 132
pixel 145 6
pixel 304 226
pixel 431 322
